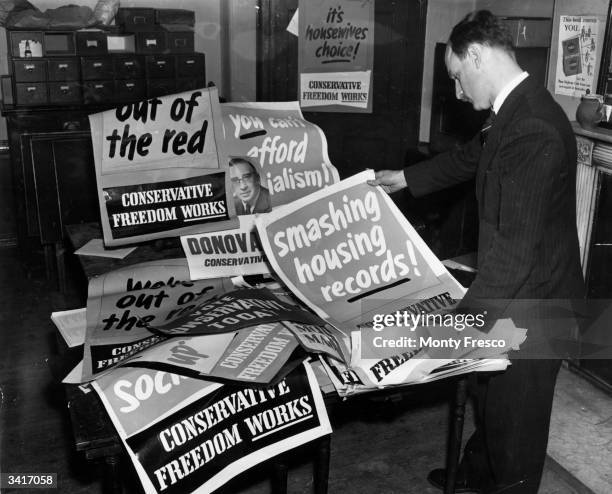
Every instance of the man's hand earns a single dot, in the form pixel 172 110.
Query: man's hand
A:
pixel 390 180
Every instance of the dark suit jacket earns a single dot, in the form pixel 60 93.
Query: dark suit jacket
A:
pixel 526 191
pixel 262 205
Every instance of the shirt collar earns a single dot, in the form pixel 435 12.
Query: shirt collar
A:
pixel 506 90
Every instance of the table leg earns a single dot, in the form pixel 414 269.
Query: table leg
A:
pixel 279 475
pixel 321 465
pixel 456 432
pixel 112 475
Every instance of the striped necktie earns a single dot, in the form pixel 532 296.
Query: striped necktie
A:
pixel 484 131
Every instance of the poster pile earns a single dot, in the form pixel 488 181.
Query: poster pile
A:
pixel 193 436
pixel 336 55
pixel 151 314
pixel 161 168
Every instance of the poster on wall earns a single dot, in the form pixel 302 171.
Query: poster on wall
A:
pixel 161 168
pixel 336 55
pixel 577 58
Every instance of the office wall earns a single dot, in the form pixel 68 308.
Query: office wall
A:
pixel 518 8
pixel 570 7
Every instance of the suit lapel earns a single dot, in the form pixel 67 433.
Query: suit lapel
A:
pixel 497 131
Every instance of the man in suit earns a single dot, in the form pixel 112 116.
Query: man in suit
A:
pixel 524 163
pixel 249 195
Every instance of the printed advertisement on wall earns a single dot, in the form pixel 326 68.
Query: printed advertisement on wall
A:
pixel 161 168
pixel 336 55
pixel 578 52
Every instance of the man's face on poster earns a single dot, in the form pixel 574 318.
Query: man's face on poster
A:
pixel 245 182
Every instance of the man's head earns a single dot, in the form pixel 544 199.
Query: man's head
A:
pixel 245 180
pixel 480 58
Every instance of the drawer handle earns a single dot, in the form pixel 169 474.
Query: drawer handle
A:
pixel 30 67
pixel 151 42
pixel 139 19
pixel 128 64
pixel 63 66
pixel 65 89
pixel 129 86
pixel 161 63
pixel 31 89
pixel 97 64
pixel 190 62
pixel 92 42
pixel 98 86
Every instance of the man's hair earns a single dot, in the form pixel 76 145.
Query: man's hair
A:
pixel 237 160
pixel 480 26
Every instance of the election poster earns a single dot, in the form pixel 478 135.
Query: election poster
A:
pixel 137 398
pixel 336 55
pixel 254 355
pixel 276 156
pixel 235 252
pixel 161 168
pixel 349 254
pixel 234 310
pixel 578 55
pixel 199 447
pixel 121 304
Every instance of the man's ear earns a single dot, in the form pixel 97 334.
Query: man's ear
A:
pixel 474 52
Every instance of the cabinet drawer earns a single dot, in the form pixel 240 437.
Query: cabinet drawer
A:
pixel 160 87
pixel 63 69
pixel 121 43
pixel 91 43
pixel 180 41
pixel 59 44
pixel 192 65
pixel 98 92
pixel 29 70
pixel 135 18
pixel 150 42
pixel 97 68
pixel 68 92
pixel 26 44
pixel 130 90
pixel 129 67
pixel 31 93
pixel 160 66
pixel 175 16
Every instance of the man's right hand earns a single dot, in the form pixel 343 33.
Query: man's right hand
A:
pixel 390 180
